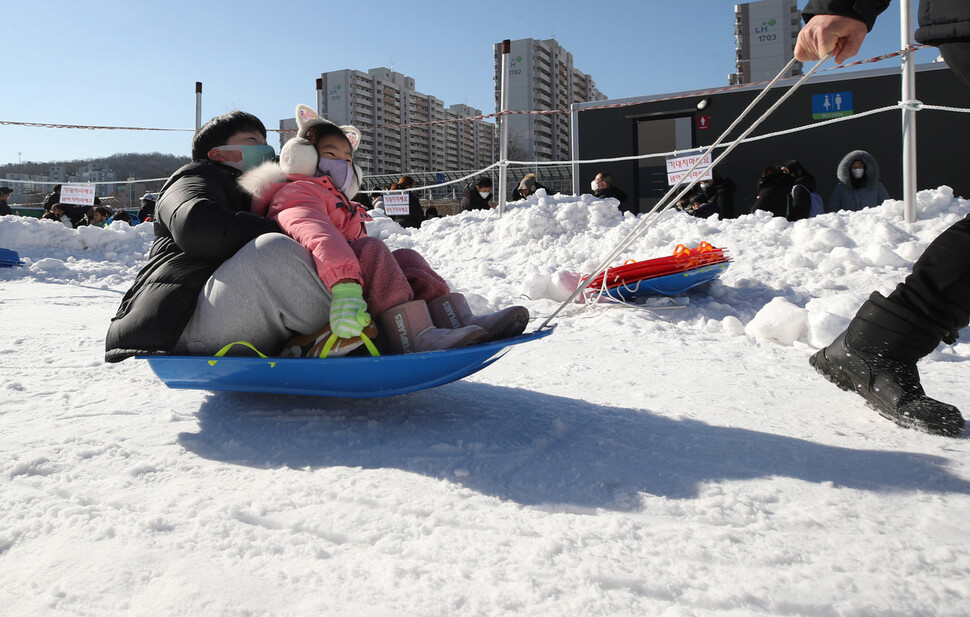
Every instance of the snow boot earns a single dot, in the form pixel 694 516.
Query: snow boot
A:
pixel 452 311
pixel 311 345
pixel 876 357
pixel 409 329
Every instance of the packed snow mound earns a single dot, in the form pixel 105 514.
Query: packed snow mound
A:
pixel 681 459
pixel 788 283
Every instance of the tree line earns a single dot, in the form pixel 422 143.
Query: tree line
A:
pixel 150 165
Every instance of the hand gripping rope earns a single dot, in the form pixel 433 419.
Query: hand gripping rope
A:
pixel 650 218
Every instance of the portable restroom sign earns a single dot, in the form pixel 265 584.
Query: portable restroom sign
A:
pixel 79 194
pixel 397 204
pixel 677 168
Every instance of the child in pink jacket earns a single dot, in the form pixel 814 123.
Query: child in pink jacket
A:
pixel 306 193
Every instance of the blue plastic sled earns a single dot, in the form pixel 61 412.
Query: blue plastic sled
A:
pixel 347 377
pixel 9 258
pixel 668 285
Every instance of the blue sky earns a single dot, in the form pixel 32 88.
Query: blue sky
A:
pixel 134 63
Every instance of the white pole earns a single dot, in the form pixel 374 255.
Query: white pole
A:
pixel 320 96
pixel 574 148
pixel 198 105
pixel 909 115
pixel 504 144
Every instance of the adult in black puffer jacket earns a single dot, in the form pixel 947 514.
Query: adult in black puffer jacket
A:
pixel 803 185
pixel 774 190
pixel 477 196
pixel 201 219
pixel 876 356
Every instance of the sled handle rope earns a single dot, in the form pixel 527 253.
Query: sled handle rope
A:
pixel 323 353
pixel 333 340
pixel 651 217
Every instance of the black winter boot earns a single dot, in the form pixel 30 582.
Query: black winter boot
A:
pixel 876 357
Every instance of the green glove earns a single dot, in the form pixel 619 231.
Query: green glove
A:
pixel 348 311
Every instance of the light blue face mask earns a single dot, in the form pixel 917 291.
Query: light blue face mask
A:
pixel 341 172
pixel 253 155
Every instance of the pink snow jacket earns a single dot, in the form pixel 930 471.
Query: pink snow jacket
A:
pixel 313 212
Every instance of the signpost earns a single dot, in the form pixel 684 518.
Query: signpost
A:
pixel 397 204
pixel 79 194
pixel 677 168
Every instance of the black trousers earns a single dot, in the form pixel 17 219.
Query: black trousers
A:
pixel 939 287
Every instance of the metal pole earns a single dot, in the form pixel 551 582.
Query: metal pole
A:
pixel 504 127
pixel 909 114
pixel 320 96
pixel 574 139
pixel 198 105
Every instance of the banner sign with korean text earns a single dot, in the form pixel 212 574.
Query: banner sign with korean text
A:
pixel 678 166
pixel 397 204
pixel 79 194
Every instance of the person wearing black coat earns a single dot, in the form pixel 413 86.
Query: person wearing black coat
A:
pixel 774 191
pixel 477 197
pixel 147 210
pixel 528 186
pixel 720 191
pixel 603 188
pixel 877 354
pixel 803 185
pixel 415 214
pixel 202 221
pixel 52 198
pixel 4 193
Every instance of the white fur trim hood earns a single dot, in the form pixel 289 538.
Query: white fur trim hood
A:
pixel 256 181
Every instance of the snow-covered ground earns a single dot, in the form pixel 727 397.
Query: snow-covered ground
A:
pixel 635 462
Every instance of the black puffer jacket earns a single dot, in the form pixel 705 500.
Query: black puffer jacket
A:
pixel 202 218
pixel 471 200
pixel 774 193
pixel 940 21
pixel 943 21
pixel 611 192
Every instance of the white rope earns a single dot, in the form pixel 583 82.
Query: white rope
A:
pixel 5 181
pixel 474 174
pixel 648 220
pixel 914 105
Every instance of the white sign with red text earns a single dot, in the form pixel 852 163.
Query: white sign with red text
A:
pixel 677 168
pixel 80 194
pixel 397 204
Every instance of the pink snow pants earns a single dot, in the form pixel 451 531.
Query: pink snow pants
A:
pixel 394 278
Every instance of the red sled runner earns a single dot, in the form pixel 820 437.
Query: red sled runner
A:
pixel 665 276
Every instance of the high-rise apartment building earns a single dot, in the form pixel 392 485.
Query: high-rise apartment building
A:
pixel 541 76
pixel 403 130
pixel 765 33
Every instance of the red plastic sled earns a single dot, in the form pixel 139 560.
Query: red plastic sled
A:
pixel 686 268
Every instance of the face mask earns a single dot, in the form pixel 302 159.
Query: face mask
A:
pixel 252 155
pixel 341 173
pixel 484 195
pixel 594 185
pixel 704 186
pixel 858 173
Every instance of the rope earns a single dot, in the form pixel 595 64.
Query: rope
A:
pixel 914 105
pixel 654 214
pixel 540 112
pixel 5 181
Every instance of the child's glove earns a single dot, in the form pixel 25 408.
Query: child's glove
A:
pixel 348 311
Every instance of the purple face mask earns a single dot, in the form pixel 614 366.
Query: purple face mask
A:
pixel 340 172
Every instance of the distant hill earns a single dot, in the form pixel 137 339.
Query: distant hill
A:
pixel 138 166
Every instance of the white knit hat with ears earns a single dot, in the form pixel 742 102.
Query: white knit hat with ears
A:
pixel 298 156
pixel 306 117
